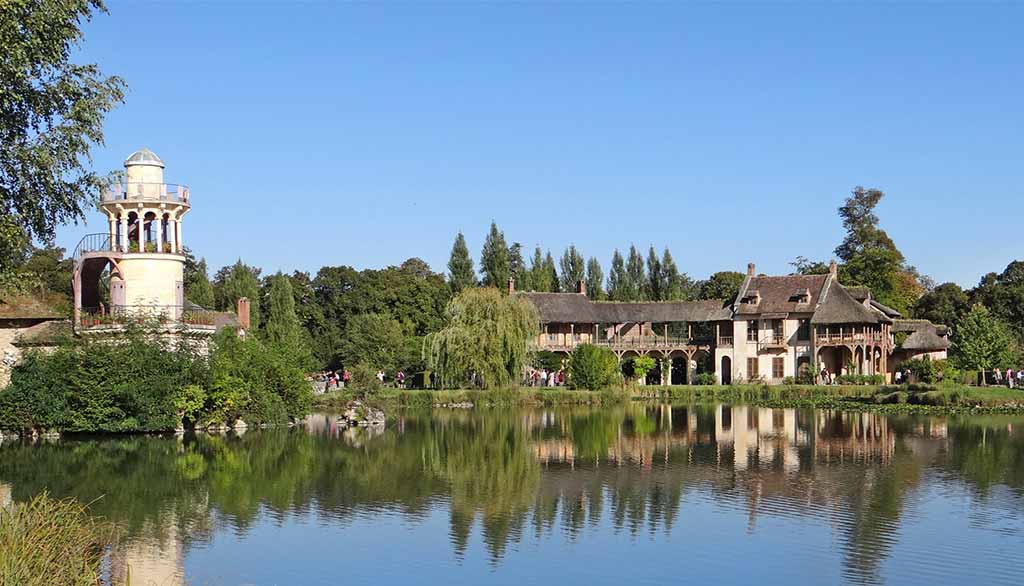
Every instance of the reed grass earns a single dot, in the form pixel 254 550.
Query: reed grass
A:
pixel 46 542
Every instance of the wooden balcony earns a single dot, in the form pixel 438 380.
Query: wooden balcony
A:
pixel 775 341
pixel 567 342
pixel 849 338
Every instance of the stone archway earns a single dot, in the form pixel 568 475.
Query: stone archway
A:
pixel 726 370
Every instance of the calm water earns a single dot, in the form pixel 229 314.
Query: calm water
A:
pixel 636 494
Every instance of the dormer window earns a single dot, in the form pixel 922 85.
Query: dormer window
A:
pixel 802 296
pixel 753 297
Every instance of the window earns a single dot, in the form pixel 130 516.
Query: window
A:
pixel 752 372
pixel 803 333
pixel 752 330
pixel 778 367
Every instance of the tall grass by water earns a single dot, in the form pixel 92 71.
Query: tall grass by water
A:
pixel 45 542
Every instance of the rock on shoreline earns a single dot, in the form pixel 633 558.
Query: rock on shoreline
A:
pixel 356 413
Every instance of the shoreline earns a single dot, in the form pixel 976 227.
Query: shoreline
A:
pixel 924 399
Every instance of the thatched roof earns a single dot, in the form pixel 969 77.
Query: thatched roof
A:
pixel 888 311
pixel 923 334
pixel 45 305
pixel 577 308
pixel 858 292
pixel 789 294
pixel 839 307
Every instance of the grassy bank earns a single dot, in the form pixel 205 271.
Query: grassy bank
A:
pixel 904 398
pixel 48 541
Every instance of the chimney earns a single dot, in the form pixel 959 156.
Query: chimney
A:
pixel 751 269
pixel 833 268
pixel 511 285
pixel 581 287
pixel 243 313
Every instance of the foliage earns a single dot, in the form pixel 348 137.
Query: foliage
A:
pixel 643 365
pixel 198 289
pixel 235 282
pixel 517 267
pixel 981 341
pixel 618 280
pixel 707 378
pixel 51 115
pixel 551 273
pixel 861 225
pixel 484 341
pixel 189 402
pixel 494 263
pixel 945 304
pixel 593 368
pixel 282 325
pixel 595 280
pixel 372 339
pixel 540 275
pixel 460 266
pixel 546 360
pixel 636 276
pixel 573 267
pixel 721 285
pixel 654 286
pixel 805 266
pixel 364 377
pixel 1003 294
pixel 47 541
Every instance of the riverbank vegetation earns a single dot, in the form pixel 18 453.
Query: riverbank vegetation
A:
pixel 46 541
pixel 145 382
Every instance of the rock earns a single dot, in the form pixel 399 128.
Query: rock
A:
pixel 356 413
pixel 240 424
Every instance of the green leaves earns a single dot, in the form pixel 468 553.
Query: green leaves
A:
pixel 981 341
pixel 593 368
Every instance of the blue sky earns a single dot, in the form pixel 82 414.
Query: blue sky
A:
pixel 354 134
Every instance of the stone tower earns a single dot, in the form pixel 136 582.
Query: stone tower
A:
pixel 142 249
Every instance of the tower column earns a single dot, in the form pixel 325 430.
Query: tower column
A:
pixel 113 232
pixel 177 233
pixel 159 232
pixel 172 227
pixel 124 232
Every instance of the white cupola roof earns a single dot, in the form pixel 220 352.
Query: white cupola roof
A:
pixel 143 156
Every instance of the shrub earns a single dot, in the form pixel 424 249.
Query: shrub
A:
pixel 922 369
pixel 46 541
pixel 788 380
pixel 364 377
pixel 592 367
pixel 707 378
pixel 641 366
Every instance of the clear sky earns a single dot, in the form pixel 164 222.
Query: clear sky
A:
pixel 355 134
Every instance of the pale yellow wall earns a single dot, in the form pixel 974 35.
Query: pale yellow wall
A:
pixel 151 279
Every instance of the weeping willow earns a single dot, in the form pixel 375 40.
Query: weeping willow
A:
pixel 485 341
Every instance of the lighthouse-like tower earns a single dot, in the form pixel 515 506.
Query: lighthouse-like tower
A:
pixel 142 250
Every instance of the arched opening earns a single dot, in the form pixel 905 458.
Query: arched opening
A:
pixel 726 370
pixel 149 232
pixel 678 372
pixel 133 232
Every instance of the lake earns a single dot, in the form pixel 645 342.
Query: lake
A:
pixel 637 494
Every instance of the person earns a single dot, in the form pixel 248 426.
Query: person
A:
pixel 1020 378
pixel 824 375
pixel 543 377
pixel 345 376
pixel 380 376
pixel 1009 377
pixel 561 378
pixel 898 377
pixel 400 379
pixel 997 375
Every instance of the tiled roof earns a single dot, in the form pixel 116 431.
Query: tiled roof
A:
pixel 781 294
pixel 574 307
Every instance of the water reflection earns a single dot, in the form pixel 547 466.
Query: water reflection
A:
pixel 551 474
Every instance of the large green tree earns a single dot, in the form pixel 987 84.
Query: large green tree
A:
pixel 945 304
pixel 51 116
pixel 981 341
pixel 460 266
pixel 198 289
pixel 618 279
pixel 655 286
pixel 861 225
pixel 595 279
pixel 722 285
pixel 517 267
pixel 234 282
pixel 1003 294
pixel 494 263
pixel 485 340
pixel 282 324
pixel 636 276
pixel 551 273
pixel 540 280
pixel 573 268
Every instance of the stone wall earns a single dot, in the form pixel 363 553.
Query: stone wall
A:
pixel 9 353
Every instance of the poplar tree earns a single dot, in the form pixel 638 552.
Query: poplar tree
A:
pixel 634 289
pixel 494 263
pixel 517 267
pixel 655 286
pixel 282 327
pixel 539 278
pixel 460 266
pixel 573 267
pixel 237 281
pixel 617 278
pixel 198 289
pixel 673 281
pixel 595 279
pixel 551 273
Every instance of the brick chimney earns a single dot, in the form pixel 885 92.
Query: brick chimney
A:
pixel 243 313
pixel 833 268
pixel 581 287
pixel 511 285
pixel 751 269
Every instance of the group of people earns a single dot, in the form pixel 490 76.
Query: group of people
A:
pixel 1009 377
pixel 542 377
pixel 336 379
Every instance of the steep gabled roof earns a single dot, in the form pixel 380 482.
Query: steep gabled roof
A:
pixel 780 294
pixel 574 307
pixel 925 340
pixel 562 307
pixel 839 307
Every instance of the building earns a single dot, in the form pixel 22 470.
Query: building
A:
pixel 776 327
pixel 134 272
pixel 29 320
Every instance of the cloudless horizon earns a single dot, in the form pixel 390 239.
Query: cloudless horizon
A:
pixel 319 134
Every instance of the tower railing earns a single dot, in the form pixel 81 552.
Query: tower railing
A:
pixel 99 242
pixel 141 190
pixel 122 315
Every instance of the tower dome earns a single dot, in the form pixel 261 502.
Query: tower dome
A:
pixel 143 156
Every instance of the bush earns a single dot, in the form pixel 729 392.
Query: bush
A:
pixel 47 541
pixel 922 369
pixel 788 380
pixel 593 368
pixel 642 365
pixel 364 377
pixel 707 378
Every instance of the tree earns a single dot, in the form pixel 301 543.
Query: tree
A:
pixel 51 116
pixel 49 268
pixel 722 285
pixel 595 279
pixel 551 273
pixel 540 279
pixel 643 365
pixel 946 304
pixel 282 325
pixel 573 268
pixel 517 267
pixel 880 270
pixel 485 341
pixel 592 367
pixel 374 340
pixel 197 285
pixel 981 342
pixel 805 266
pixel 678 286
pixel 617 278
pixel 460 266
pixel 654 287
pixel 1003 294
pixel 494 259
pixel 861 225
pixel 417 267
pixel 634 286
pixel 237 281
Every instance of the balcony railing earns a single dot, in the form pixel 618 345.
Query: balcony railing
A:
pixel 849 338
pixel 567 342
pixel 772 341
pixel 725 341
pixel 137 190
pixel 92 243
pixel 162 315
